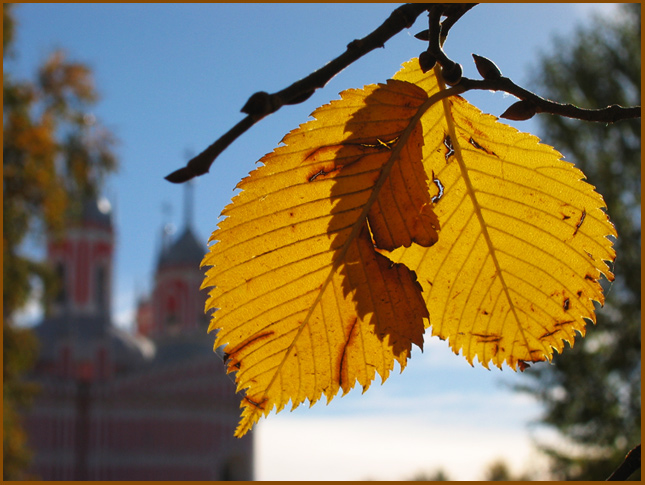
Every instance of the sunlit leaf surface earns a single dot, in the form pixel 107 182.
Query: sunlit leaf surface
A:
pixel 395 208
pixel 523 240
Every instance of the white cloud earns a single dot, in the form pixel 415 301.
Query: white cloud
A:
pixel 31 314
pixel 385 447
pixel 411 424
pixel 124 319
pixel 123 310
pixel 590 9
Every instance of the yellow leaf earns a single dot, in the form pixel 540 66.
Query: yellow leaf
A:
pixel 327 262
pixel 306 304
pixel 523 239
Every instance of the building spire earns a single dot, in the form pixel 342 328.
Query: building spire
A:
pixel 167 228
pixel 188 204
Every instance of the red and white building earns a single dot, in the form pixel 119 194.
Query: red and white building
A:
pixel 113 405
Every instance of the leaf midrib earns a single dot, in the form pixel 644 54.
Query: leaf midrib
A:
pixel 385 171
pixel 477 210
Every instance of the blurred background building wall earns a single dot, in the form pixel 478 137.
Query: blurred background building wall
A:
pixel 154 404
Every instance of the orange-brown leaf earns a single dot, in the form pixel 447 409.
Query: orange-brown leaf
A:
pixel 306 303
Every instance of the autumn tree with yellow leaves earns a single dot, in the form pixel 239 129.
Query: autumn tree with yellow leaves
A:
pixel 54 154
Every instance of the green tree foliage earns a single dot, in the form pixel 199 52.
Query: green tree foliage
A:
pixel 598 410
pixel 436 476
pixel 54 154
pixel 498 471
pixel 19 355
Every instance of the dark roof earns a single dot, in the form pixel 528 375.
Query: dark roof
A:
pixel 97 212
pixel 185 250
pixel 90 211
pixel 84 330
pixel 183 346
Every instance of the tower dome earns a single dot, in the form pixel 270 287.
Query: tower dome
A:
pixel 78 325
pixel 185 250
pixel 177 302
pixel 97 212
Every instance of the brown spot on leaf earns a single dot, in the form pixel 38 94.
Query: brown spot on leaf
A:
pixel 548 334
pixel 326 162
pixel 230 363
pixel 582 219
pixel 258 405
pixel 321 173
pixel 476 145
pixel 439 185
pixel 479 147
pixel 589 277
pixel 523 365
pixel 248 342
pixel 565 304
pixel 380 144
pixel 447 142
pixel 565 322
pixel 487 338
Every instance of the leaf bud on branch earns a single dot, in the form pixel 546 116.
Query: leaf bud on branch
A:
pixel 259 104
pixel 423 35
pixel 426 61
pixel 487 68
pixel 520 111
pixel 452 73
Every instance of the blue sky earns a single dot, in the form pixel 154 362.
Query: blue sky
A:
pixel 173 77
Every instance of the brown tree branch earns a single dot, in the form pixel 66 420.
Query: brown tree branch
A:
pixel 262 104
pixel 529 104
pixel 631 463
pixel 536 104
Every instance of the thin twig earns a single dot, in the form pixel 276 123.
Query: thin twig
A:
pixel 261 104
pixel 631 463
pixel 610 114
pixel 401 18
pixel 453 12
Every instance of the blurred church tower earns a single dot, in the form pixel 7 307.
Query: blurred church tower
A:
pixel 114 405
pixel 177 304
